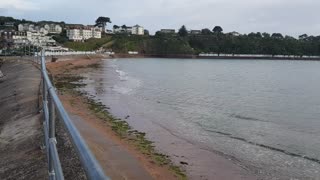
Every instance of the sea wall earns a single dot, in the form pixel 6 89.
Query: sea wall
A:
pixel 22 151
pixel 20 127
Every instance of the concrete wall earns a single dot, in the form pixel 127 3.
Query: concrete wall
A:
pixel 20 128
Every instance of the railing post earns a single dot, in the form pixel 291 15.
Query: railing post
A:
pixel 52 123
pixel 51 135
pixel 44 90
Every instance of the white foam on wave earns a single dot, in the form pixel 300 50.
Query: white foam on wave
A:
pixel 122 75
pixel 127 83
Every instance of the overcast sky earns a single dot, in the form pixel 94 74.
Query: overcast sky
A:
pixel 292 17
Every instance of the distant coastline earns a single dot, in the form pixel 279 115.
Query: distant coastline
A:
pixel 242 57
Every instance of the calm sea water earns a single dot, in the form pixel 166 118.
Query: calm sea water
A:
pixel 262 115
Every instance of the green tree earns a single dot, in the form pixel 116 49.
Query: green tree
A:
pixel 146 32
pixel 303 37
pixel 266 35
pixel 217 29
pixel 183 31
pixel 102 22
pixel 277 36
pixel 206 31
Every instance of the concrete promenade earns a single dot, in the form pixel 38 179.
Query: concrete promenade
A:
pixel 20 127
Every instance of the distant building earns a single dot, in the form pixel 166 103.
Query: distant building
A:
pixel 38 39
pixel 7 34
pixel 26 27
pixel 86 33
pixel 74 34
pixel 137 30
pixel 21 27
pixel 122 29
pixel 6 37
pixel 117 29
pixel 20 39
pixel 133 52
pixel 195 32
pixel 109 31
pixel 19 35
pixel 234 33
pixel 10 38
pixel 81 33
pixel 168 31
pixel 53 28
pixel 96 32
pixel 44 29
pixel 9 24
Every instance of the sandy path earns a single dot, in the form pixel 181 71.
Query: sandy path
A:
pixel 115 160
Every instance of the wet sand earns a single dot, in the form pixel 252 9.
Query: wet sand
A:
pixel 209 165
pixel 119 158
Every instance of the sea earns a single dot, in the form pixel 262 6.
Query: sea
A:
pixel 261 116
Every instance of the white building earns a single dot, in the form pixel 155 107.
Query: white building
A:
pixel 137 30
pixel 234 33
pixel 168 31
pixel 21 27
pixel 38 39
pixel 45 29
pixel 87 33
pixel 53 28
pixel 26 27
pixel 96 33
pixel 129 30
pixel 83 33
pixel 19 35
pixel 74 34
pixel 19 39
pixel 195 32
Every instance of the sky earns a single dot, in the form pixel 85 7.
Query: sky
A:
pixel 290 17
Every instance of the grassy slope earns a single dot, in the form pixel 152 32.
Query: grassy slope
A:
pixel 89 45
pixel 151 45
pixel 142 44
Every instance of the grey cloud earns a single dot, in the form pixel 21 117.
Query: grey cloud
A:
pixel 291 17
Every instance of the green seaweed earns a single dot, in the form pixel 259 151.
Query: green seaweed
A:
pixel 67 82
pixel 138 139
pixel 71 83
pixel 94 66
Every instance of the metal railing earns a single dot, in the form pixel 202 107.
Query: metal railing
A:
pixel 52 106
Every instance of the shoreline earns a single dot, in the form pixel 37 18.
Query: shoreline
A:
pixel 207 164
pixel 186 56
pixel 159 166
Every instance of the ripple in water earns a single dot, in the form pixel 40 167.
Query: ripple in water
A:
pixel 127 84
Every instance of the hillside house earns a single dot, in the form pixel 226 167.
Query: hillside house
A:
pixel 195 32
pixel 81 33
pixel 168 31
pixel 137 30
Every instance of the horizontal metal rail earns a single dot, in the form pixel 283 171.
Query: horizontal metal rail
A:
pixel 52 106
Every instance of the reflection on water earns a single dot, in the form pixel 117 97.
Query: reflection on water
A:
pixel 264 115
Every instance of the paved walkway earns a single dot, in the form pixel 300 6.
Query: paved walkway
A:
pixel 117 162
pixel 20 128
